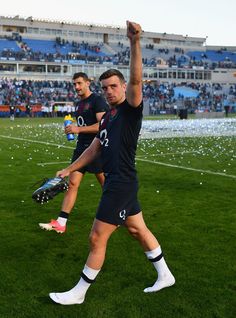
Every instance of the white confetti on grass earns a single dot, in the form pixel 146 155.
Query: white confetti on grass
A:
pixel 188 128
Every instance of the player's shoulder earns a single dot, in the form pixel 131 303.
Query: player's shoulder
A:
pixel 126 106
pixel 94 95
pixel 98 97
pixel 99 101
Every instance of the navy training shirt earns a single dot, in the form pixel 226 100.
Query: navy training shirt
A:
pixel 85 113
pixel 118 135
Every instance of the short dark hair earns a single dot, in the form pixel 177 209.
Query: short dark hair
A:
pixel 81 74
pixel 112 72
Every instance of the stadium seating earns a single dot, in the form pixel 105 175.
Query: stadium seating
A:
pixel 50 50
pixel 46 46
pixel 213 56
pixel 9 45
pixel 43 46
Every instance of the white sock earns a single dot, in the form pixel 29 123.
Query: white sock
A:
pixel 62 221
pixel 81 288
pixel 165 278
pixel 77 294
pixel 160 265
pixel 154 253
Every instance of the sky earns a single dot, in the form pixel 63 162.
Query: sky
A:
pixel 211 19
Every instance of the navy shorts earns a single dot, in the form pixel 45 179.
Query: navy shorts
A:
pixel 94 167
pixel 119 201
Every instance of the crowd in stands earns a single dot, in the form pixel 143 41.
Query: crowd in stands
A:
pixel 210 98
pixel 63 50
pixel 26 55
pixel 160 97
pixel 18 92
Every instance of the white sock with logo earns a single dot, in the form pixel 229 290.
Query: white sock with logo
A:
pixel 165 278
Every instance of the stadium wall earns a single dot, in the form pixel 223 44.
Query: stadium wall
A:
pixel 31 28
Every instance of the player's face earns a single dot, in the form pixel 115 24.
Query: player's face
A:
pixel 114 90
pixel 81 86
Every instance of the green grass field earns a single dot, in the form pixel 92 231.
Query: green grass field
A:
pixel 187 193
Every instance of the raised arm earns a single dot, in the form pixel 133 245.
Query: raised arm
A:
pixel 134 87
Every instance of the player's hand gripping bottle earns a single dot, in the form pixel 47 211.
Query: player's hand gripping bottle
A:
pixel 68 120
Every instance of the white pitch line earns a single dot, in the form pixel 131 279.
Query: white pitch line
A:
pixel 138 159
pixel 51 163
pixel 37 142
pixel 187 168
pixel 166 154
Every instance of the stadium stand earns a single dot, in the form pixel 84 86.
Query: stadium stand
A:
pixel 39 57
pixel 43 46
pixel 6 44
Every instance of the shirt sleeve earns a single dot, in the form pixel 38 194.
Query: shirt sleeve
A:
pixel 100 105
pixel 134 111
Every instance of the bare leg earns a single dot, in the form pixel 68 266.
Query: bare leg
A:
pixel 99 236
pixel 71 195
pixel 138 229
